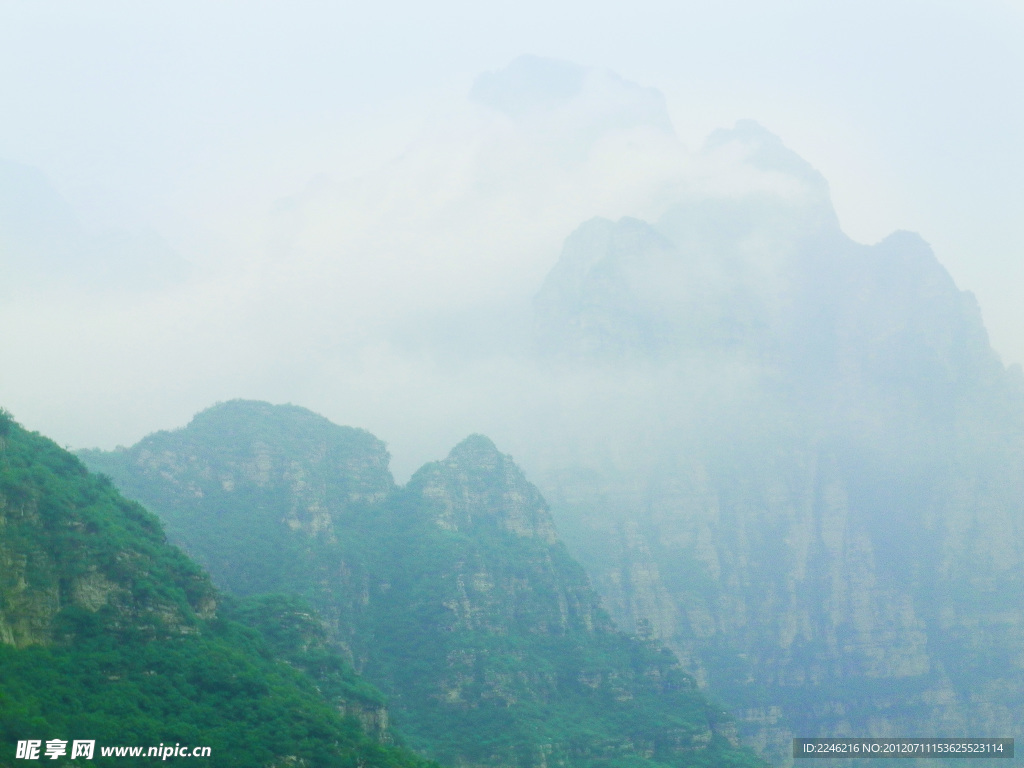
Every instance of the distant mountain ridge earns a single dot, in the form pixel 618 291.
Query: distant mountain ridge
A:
pixel 792 458
pixel 805 475
pixel 44 246
pixel 452 594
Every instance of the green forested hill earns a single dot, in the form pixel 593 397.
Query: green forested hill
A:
pixel 108 633
pixel 452 594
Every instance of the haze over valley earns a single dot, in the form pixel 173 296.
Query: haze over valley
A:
pixel 653 398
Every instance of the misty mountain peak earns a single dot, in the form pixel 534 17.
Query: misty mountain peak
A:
pixel 762 281
pixel 623 290
pixel 235 450
pixel 478 450
pixel 587 99
pixel 30 206
pixel 479 486
pixel 250 416
pixel 765 151
pixel 911 252
pixel 529 83
pixel 43 244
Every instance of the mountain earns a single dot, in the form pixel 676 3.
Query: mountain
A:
pixel 581 103
pixel 108 633
pixel 794 459
pixel 43 245
pixel 452 594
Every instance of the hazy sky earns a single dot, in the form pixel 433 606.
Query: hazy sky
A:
pixel 193 119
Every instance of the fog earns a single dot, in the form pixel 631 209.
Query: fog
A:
pixel 351 209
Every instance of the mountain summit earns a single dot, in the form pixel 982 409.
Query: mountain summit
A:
pixel 800 463
pixel 532 88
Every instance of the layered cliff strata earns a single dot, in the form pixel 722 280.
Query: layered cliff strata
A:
pixel 805 473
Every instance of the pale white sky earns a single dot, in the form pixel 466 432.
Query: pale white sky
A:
pixel 194 118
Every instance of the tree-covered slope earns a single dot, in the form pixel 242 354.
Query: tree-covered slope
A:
pixel 269 499
pixel 453 594
pixel 108 633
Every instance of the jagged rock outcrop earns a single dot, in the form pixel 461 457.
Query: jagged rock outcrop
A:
pixel 516 577
pixel 464 489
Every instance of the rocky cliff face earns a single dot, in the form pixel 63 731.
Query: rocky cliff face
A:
pixel 452 594
pixel 515 577
pixel 236 449
pixel 476 487
pixel 265 497
pixel 58 555
pixel 787 599
pixel 810 483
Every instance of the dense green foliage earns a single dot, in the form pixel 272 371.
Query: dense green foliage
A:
pixel 110 634
pixel 452 593
pixel 69 539
pixel 519 673
pixel 219 689
pixel 295 634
